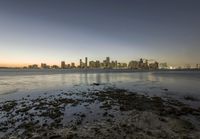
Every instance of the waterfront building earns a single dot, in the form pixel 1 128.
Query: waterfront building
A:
pixel 68 66
pixel 163 66
pixel 115 63
pixel 153 66
pixel 63 64
pixel 86 62
pixel 92 64
pixel 81 63
pixel 98 64
pixel 107 62
pixel 141 64
pixel 197 66
pixel 73 65
pixel 122 65
pixel 112 64
pixel 34 66
pixel 55 67
pixel 133 65
pixel 146 65
pixel 44 66
pixel 102 65
pixel 187 66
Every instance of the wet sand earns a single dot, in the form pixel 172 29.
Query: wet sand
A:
pixel 107 113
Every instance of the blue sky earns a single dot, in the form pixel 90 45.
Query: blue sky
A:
pixel 50 31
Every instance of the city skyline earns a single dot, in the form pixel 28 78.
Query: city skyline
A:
pixel 77 63
pixel 108 63
pixel 35 31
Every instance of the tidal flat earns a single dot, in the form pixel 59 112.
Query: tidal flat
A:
pixel 109 112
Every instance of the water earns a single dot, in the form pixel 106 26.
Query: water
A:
pixel 28 84
pixel 17 83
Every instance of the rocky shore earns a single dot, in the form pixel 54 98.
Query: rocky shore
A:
pixel 107 113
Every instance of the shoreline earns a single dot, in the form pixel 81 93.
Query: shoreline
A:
pixel 18 71
pixel 107 113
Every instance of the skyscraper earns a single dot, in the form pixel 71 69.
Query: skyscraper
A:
pixel 81 63
pixel 107 62
pixel 141 63
pixel 62 64
pixel 43 65
pixel 86 62
pixel 197 66
pixel 73 65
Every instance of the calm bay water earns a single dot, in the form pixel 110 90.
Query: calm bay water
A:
pixel 17 83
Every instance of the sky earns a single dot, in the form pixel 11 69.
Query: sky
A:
pixel 49 31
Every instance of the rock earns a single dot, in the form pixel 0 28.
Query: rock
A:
pixel 70 135
pixel 9 105
pixel 96 84
pixel 165 89
pixel 36 137
pixel 105 114
pixel 55 137
pixel 111 115
pixel 190 98
pixel 12 137
pixel 82 115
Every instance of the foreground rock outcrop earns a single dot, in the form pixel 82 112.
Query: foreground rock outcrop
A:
pixel 108 113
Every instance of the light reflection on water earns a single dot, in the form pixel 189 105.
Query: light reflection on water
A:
pixel 146 82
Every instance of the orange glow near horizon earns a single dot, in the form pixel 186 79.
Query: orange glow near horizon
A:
pixel 26 64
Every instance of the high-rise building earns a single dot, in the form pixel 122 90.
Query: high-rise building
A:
pixel 81 63
pixel 197 66
pixel 34 66
pixel 187 66
pixel 98 64
pixel 107 62
pixel 73 65
pixel 43 65
pixel 112 64
pixel 146 65
pixel 92 64
pixel 163 66
pixel 54 67
pixel 63 64
pixel 153 66
pixel 115 63
pixel 141 64
pixel 133 65
pixel 86 62
pixel 68 66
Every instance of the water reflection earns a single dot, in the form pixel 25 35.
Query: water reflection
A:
pixel 143 81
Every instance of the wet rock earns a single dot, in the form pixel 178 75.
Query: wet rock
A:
pixel 162 119
pixel 70 135
pixel 182 126
pixel 96 84
pixel 165 89
pixel 12 137
pixel 3 129
pixel 30 126
pixel 83 115
pixel 111 115
pixel 52 113
pixel 23 109
pixel 190 98
pixel 74 128
pixel 105 114
pixel 9 105
pixel 36 136
pixel 55 137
